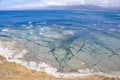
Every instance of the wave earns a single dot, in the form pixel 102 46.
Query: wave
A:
pixel 62 50
pixel 9 54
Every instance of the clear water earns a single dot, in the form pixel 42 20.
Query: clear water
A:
pixel 67 40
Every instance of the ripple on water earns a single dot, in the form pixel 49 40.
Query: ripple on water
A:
pixel 66 50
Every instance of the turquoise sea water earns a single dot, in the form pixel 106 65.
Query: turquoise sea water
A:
pixel 67 40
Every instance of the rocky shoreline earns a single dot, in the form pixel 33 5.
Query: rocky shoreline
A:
pixel 13 71
pixel 10 62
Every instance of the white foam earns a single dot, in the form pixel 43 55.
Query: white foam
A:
pixel 78 17
pixel 6 52
pixel 44 29
pixel 43 23
pixel 23 25
pixel 29 27
pixel 119 25
pixel 5 30
pixel 24 63
pixel 32 65
pixel 43 64
pixel 70 32
pixel 111 29
pixel 62 27
pixel 41 33
pixel 20 55
pixel 45 67
pixel 29 22
pixel 118 14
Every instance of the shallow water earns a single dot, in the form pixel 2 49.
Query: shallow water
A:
pixel 67 40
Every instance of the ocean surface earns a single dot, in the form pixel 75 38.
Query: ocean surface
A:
pixel 68 40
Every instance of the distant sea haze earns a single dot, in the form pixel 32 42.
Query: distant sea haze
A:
pixel 82 7
pixel 58 4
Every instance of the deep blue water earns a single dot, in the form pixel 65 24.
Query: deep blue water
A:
pixel 72 39
pixel 68 18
